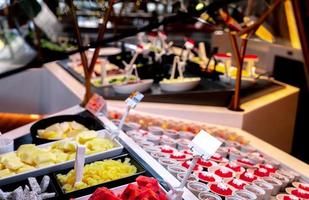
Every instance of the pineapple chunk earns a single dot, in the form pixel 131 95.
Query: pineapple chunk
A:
pixel 86 136
pixel 25 168
pixel 27 153
pixel 13 163
pixel 5 173
pixel 44 157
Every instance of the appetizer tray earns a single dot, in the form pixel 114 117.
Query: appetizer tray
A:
pixel 208 92
pixel 116 150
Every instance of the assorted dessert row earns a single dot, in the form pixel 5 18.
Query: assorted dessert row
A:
pixel 236 171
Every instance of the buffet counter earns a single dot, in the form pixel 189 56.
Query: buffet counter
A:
pixel 268 116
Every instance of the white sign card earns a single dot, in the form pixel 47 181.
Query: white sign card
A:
pixel 134 99
pixel 204 144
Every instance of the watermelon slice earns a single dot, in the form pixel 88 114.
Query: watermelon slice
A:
pixel 103 193
pixel 131 192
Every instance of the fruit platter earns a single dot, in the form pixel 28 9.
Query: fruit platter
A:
pixel 236 170
pixel 34 160
pixel 144 188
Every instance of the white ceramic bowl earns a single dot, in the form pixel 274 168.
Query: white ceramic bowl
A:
pixel 141 86
pixel 179 86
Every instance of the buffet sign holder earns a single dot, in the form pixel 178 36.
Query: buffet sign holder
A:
pixel 200 150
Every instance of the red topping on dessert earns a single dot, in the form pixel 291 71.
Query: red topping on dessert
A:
pixel 304 187
pixel 237 183
pixel 247 176
pixel 167 150
pixel 224 173
pixel 188 163
pixel 300 193
pixel 261 172
pixel 245 161
pixel 177 155
pixel 206 176
pixel 216 157
pixel 205 163
pixel 221 189
pixel 188 152
pixel 269 168
pixel 290 197
pixel 233 166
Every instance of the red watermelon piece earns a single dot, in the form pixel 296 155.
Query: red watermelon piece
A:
pixel 103 193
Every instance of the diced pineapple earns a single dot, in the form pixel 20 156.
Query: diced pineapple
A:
pixel 44 157
pixel 25 168
pixel 85 136
pixel 5 173
pixel 13 163
pixel 27 153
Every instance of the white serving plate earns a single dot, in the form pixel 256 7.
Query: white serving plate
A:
pixel 68 164
pixel 142 86
pixel 179 86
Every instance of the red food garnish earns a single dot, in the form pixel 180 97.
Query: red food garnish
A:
pixel 261 172
pixel 221 189
pixel 245 161
pixel 300 193
pixel 204 163
pixel 178 156
pixel 167 150
pixel 224 173
pixel 237 183
pixel 187 165
pixel 234 167
pixel 270 168
pixel 288 197
pixel 206 176
pixel 247 176
pixel 304 187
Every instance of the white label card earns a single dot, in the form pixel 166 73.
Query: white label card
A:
pixel 134 99
pixel 204 144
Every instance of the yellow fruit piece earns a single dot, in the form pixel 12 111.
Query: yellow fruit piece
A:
pixel 7 155
pixel 60 155
pixel 49 134
pixel 13 163
pixel 44 157
pixel 85 136
pixel 45 164
pixel 25 168
pixel 65 145
pixel 1 166
pixel 99 144
pixel 5 173
pixel 27 153
pixel 97 173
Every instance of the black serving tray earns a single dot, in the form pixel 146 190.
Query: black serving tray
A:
pixel 109 184
pixel 85 118
pixel 51 188
pixel 210 91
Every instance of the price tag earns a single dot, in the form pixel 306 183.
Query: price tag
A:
pixel 95 104
pixel 204 144
pixel 134 99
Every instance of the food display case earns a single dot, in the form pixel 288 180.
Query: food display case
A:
pixel 156 146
